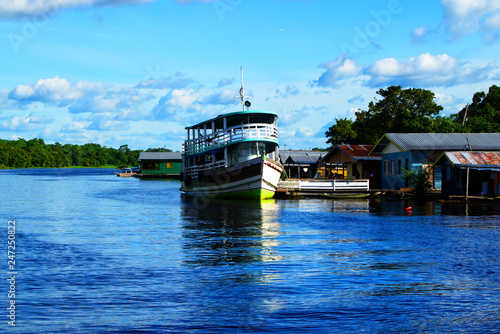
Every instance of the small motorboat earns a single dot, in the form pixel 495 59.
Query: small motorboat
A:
pixel 128 172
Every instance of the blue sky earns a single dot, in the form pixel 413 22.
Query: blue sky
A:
pixel 137 72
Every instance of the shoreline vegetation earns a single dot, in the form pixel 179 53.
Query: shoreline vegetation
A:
pixel 34 153
pixel 65 167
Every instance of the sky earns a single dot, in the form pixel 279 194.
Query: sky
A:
pixel 137 72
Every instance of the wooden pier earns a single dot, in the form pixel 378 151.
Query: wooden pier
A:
pixel 322 186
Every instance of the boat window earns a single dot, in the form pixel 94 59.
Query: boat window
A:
pixel 262 149
pixel 254 150
pixel 245 150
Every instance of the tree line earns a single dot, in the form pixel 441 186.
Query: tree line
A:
pixel 414 110
pixel 23 153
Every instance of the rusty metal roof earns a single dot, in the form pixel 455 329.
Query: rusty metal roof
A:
pixel 474 159
pixel 359 152
pixel 355 152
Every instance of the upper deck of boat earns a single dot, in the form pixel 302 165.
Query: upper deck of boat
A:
pixel 237 118
pixel 231 128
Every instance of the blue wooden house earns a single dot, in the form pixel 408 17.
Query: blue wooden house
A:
pixel 413 151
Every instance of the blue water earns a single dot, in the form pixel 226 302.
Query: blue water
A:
pixel 101 254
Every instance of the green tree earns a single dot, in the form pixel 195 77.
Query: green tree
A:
pixel 399 110
pixel 420 181
pixel 23 153
pixel 483 114
pixel 342 132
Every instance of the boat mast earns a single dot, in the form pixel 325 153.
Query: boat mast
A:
pixel 242 93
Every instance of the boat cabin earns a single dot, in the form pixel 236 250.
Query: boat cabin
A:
pixel 230 139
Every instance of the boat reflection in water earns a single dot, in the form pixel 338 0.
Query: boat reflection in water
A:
pixel 228 232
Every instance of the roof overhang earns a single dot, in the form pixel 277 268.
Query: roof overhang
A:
pixel 472 159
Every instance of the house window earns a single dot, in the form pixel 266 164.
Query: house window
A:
pixel 392 167
pixel 400 167
pixel 386 168
pixel 151 165
pixel 169 164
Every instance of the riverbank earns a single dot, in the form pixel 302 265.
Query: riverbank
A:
pixel 67 167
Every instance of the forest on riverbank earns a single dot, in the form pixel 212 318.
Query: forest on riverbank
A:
pixel 23 153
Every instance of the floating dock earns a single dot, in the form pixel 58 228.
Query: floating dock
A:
pixel 319 187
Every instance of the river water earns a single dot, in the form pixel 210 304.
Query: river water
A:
pixel 100 254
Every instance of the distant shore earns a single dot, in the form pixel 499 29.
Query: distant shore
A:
pixel 66 167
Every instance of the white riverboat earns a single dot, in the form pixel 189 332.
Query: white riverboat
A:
pixel 233 155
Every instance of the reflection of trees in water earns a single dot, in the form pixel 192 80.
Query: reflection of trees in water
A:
pixel 229 232
pixel 435 208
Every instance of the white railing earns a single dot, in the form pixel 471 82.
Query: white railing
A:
pixel 233 134
pixel 324 185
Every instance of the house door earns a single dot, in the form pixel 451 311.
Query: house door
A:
pixel 407 165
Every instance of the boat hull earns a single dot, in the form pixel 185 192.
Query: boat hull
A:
pixel 254 179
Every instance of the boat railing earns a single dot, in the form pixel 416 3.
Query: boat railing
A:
pixel 194 171
pixel 231 135
pixel 324 185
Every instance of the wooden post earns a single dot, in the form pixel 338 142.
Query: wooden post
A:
pixel 467 189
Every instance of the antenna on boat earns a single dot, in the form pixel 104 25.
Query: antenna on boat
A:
pixel 242 96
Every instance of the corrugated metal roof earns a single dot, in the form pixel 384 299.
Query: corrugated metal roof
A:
pixel 301 157
pixel 474 159
pixel 440 141
pixel 359 152
pixel 159 156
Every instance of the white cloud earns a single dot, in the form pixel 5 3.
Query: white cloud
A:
pixel 175 82
pixel 47 90
pixel 305 132
pixel 358 99
pixel 462 17
pixel 41 120
pixel 293 116
pixel 289 90
pixel 337 70
pixel 21 124
pixel 6 103
pixel 106 122
pixel 74 127
pixel 223 97
pixel 419 35
pixel 23 8
pixel 110 100
pixel 176 102
pixel 225 82
pixel 425 70
pixel 80 97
